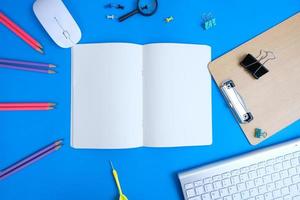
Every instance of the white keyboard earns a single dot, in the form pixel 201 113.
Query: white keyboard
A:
pixel 268 174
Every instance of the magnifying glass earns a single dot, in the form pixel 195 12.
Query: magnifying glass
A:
pixel 144 7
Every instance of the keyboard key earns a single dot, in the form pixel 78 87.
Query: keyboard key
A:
pixel 226 175
pixel 217 178
pixel 206 196
pixel 215 194
pixel 284 174
pixel 244 169
pixel 278 167
pixel 270 162
pixel 294 162
pixel 260 197
pixel 198 183
pixel 241 187
pixel 245 194
pixel 276 193
pixel 270 187
pixel 235 172
pixel 243 177
pixel 258 181
pixel 235 180
pixel 252 174
pixel 232 189
pixel 296 197
pixel 190 193
pixel 292 171
pixel 188 186
pixel 288 156
pixel 287 197
pixel 200 190
pixel 261 171
pixel 217 185
pixel 253 167
pixel 275 176
pixel 296 178
pixel 279 184
pixel 237 196
pixel 226 182
pixel 296 154
pixel 224 192
pixel 249 184
pixel 208 187
pixel 287 181
pixel 293 189
pixel 261 164
pixel 262 189
pixel 267 179
pixel 286 164
pixel 279 159
pixel 228 198
pixel 285 191
pixel 253 192
pixel 269 169
pixel 268 196
pixel 207 180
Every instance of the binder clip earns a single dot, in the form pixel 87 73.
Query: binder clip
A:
pixel 259 133
pixel 209 21
pixel 235 102
pixel 255 65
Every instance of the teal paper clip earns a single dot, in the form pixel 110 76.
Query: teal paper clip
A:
pixel 208 21
pixel 259 133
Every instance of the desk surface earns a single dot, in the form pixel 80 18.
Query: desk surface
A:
pixel 145 173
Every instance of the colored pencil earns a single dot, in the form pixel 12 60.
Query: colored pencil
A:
pixel 17 28
pixel 26 105
pixel 25 108
pixel 31 159
pixel 21 33
pixel 26 63
pixel 47 71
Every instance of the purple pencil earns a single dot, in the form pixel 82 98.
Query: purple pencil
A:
pixel 30 159
pixel 27 69
pixel 19 62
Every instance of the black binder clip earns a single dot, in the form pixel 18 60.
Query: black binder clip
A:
pixel 255 65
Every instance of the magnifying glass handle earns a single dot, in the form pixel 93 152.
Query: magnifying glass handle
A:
pixel 122 18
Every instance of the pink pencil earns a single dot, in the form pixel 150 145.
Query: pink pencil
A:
pixel 24 108
pixel 17 28
pixel 5 105
pixel 27 69
pixel 19 32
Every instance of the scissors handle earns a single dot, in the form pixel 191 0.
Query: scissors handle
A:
pixel 122 18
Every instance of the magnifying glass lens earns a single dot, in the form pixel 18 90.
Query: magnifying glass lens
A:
pixel 147 7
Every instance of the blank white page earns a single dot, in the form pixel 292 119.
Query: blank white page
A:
pixel 177 95
pixel 107 96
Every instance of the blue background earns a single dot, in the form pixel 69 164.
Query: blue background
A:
pixel 145 173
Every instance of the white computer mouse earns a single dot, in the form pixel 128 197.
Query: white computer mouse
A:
pixel 58 22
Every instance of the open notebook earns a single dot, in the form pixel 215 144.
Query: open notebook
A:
pixel 127 95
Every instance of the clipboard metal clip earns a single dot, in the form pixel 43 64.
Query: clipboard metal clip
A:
pixel 235 102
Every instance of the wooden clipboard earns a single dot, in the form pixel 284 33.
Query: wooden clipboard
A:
pixel 273 99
